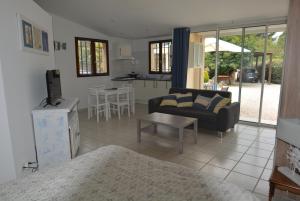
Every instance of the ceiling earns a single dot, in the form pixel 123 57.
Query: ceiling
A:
pixel 148 18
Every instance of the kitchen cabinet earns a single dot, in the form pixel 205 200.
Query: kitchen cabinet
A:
pixel 147 89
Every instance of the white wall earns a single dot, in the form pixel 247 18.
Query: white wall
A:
pixel 73 86
pixel 6 152
pixel 23 78
pixel 140 52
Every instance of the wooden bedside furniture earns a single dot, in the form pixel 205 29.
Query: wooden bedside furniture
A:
pixel 281 182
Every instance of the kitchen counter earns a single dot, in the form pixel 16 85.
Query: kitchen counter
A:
pixel 129 78
pixel 146 88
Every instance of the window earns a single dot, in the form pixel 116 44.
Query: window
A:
pixel 160 56
pixel 91 57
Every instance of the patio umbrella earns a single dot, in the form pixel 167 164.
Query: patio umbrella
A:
pixel 210 46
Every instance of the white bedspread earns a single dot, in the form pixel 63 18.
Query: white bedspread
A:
pixel 114 173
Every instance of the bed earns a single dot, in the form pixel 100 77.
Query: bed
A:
pixel 114 173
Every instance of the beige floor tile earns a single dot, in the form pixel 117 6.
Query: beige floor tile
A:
pixel 223 162
pixel 266 174
pixel 262 197
pixel 254 160
pixel 236 147
pixel 230 155
pixel 242 142
pixel 270 165
pixel 214 171
pixel 248 169
pixel 254 128
pixel 266 135
pixel 263 146
pixel 191 163
pixel 198 156
pixel 241 180
pixel 246 136
pixel 262 187
pixel 269 131
pixel 251 131
pixel 259 152
pixel 266 140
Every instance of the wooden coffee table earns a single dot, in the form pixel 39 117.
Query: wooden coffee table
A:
pixel 174 121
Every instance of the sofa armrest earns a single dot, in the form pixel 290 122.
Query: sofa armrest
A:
pixel 153 104
pixel 228 116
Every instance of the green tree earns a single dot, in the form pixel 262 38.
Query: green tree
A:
pixel 230 61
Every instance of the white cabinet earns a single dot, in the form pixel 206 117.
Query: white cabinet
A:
pixel 147 89
pixel 124 52
pixel 56 130
pixel 139 88
pixel 162 88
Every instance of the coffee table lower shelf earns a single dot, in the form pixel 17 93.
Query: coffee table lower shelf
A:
pixel 173 121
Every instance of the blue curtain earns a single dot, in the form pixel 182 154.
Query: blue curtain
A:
pixel 181 37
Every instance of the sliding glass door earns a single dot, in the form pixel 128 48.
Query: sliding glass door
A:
pixel 252 73
pixel 276 38
pixel 248 62
pixel 230 53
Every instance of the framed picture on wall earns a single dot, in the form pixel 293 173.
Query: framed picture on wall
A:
pixel 37 36
pixel 45 41
pixel 33 38
pixel 27 34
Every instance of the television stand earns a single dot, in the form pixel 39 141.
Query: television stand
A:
pixel 56 130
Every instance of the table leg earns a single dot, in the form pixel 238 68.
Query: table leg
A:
pixel 271 191
pixel 139 131
pixel 180 143
pixel 106 107
pixel 155 127
pixel 195 131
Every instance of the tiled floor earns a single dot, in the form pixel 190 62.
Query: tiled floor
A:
pixel 244 156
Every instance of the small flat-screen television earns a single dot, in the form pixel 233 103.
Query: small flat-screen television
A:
pixel 53 87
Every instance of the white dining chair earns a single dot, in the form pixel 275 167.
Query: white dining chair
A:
pixel 121 102
pixel 97 103
pixel 131 96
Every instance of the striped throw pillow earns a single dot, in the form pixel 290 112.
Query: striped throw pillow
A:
pixel 184 100
pixel 217 102
pixel 169 100
pixel 201 102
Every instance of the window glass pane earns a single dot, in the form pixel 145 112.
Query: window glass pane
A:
pixel 84 57
pixel 202 60
pixel 154 54
pixel 166 57
pixel 273 73
pixel 251 73
pixel 230 53
pixel 100 57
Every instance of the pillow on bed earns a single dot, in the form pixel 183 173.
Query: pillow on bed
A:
pixel 201 102
pixel 169 100
pixel 217 102
pixel 184 100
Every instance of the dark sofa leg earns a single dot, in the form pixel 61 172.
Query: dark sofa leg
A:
pixel 220 134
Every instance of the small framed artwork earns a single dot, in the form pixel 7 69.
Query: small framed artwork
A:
pixel 56 45
pixel 33 38
pixel 45 41
pixel 64 46
pixel 37 36
pixel 27 34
